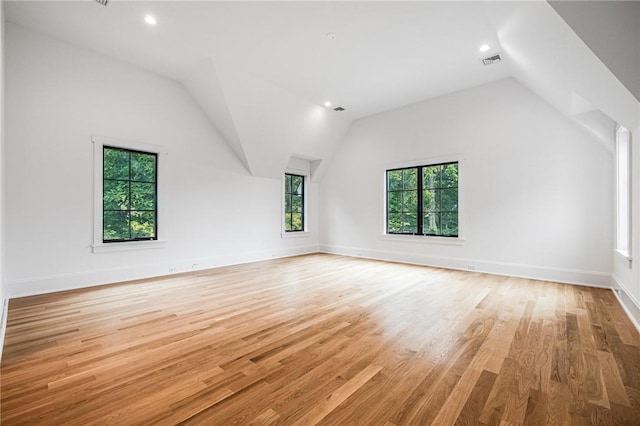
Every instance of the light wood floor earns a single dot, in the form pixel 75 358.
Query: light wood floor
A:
pixel 322 339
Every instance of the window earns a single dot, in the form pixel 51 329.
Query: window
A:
pixel 423 200
pixel 294 203
pixel 129 195
pixel 623 186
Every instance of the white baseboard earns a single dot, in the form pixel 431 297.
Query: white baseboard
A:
pixel 568 276
pixel 73 281
pixel 3 324
pixel 629 303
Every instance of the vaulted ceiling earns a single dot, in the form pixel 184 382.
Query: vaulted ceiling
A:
pixel 262 71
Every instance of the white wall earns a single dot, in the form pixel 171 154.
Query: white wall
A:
pixel 3 290
pixel 610 29
pixel 537 188
pixel 57 96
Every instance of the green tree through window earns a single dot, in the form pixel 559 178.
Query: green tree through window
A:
pixel 294 203
pixel 129 195
pixel 423 200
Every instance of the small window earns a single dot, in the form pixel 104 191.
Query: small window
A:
pixel 129 195
pixel 623 186
pixel 423 200
pixel 294 203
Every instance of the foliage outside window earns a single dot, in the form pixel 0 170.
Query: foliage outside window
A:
pixel 423 200
pixel 129 195
pixel 294 203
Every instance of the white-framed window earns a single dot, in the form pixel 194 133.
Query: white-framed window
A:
pixel 128 196
pixel 423 201
pixel 623 191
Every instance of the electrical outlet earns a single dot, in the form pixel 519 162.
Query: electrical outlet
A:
pixel 471 267
pixel 172 268
pixel 194 266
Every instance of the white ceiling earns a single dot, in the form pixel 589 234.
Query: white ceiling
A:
pixel 262 70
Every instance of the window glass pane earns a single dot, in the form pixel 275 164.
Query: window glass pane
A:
pixel 116 225
pixel 449 199
pixel 410 178
pixel 449 224
pixel 287 184
pixel 394 202
pixel 431 177
pixel 431 200
pixel 116 163
pixel 287 203
pixel 431 224
pixel 143 225
pixel 410 201
pixel 410 223
pixel 428 205
pixel 296 204
pixel 449 176
pixel 394 180
pixel 296 185
pixel 287 221
pixel 115 195
pixel 129 195
pixel 143 196
pixel 394 224
pixel 296 221
pixel 143 167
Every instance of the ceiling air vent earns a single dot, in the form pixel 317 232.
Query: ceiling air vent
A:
pixel 492 59
pixel 338 109
pixel 102 2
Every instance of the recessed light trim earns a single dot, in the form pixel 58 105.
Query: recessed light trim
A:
pixel 150 20
pixel 485 48
pixel 327 104
pixel 331 36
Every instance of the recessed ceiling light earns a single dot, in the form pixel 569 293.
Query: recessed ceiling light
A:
pixel 327 104
pixel 331 36
pixel 484 48
pixel 150 20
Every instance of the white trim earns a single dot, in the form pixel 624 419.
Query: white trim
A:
pixel 632 310
pixel 98 246
pixel 453 158
pixel 544 273
pixel 3 324
pixel 62 282
pixel 625 256
pixel 295 234
pixel 423 239
pixel 129 245
pixel 624 135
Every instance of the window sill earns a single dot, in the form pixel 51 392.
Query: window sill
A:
pixel 625 256
pixel 296 234
pixel 128 246
pixel 422 239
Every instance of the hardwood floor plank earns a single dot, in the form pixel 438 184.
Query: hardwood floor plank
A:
pixel 322 339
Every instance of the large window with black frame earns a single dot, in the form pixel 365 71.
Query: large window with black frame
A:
pixel 293 203
pixel 129 195
pixel 423 200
